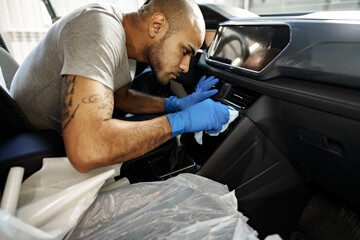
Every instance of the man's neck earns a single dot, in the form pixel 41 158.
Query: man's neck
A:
pixel 136 35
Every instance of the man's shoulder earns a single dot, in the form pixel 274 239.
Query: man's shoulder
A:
pixel 100 10
pixel 95 22
pixel 94 13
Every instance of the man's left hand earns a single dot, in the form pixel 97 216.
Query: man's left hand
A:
pixel 174 104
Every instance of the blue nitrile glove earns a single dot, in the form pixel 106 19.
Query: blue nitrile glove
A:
pixel 207 116
pixel 174 104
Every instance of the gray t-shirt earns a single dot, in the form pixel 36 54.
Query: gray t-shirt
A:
pixel 90 42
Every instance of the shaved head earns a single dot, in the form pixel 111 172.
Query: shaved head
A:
pixel 177 12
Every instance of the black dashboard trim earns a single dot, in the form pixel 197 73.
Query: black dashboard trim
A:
pixel 333 99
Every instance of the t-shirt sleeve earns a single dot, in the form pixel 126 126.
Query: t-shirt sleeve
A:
pixel 91 45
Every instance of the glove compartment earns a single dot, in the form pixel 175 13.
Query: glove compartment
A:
pixel 328 147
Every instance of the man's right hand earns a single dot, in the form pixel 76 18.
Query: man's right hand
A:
pixel 207 116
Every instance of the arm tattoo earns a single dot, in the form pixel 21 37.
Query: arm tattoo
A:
pixel 96 98
pixel 67 114
pixel 105 101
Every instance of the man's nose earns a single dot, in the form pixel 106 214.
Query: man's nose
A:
pixel 184 65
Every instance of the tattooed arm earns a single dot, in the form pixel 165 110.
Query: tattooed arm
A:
pixel 132 101
pixel 92 138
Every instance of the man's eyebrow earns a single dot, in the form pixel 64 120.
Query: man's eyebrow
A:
pixel 192 50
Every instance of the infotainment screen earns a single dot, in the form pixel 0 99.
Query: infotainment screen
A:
pixel 248 46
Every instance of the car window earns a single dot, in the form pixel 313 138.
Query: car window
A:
pixel 288 6
pixel 62 7
pixel 23 24
pixel 256 6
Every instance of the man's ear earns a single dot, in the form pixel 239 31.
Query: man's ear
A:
pixel 158 25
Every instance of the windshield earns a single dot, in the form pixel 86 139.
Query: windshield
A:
pixel 23 25
pixel 62 7
pixel 260 7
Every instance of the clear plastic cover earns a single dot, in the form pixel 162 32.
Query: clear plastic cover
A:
pixel 184 207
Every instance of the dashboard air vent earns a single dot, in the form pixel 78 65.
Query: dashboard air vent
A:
pixel 241 97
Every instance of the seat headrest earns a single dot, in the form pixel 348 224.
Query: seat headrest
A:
pixel 8 65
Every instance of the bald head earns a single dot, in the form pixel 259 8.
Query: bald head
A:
pixel 178 13
pixel 165 34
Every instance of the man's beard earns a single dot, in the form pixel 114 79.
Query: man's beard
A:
pixel 154 55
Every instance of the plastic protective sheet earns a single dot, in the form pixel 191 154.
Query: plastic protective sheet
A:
pixel 53 199
pixel 184 207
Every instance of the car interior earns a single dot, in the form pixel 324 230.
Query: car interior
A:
pixel 292 155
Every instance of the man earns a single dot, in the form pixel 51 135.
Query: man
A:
pixel 80 71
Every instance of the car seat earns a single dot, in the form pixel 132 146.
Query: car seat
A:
pixel 20 144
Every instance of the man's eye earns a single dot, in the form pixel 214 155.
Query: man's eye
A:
pixel 185 51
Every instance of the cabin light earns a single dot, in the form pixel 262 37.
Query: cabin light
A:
pixel 253 47
pixel 237 62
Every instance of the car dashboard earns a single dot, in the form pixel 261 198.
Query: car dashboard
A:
pixel 296 85
pixel 296 80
